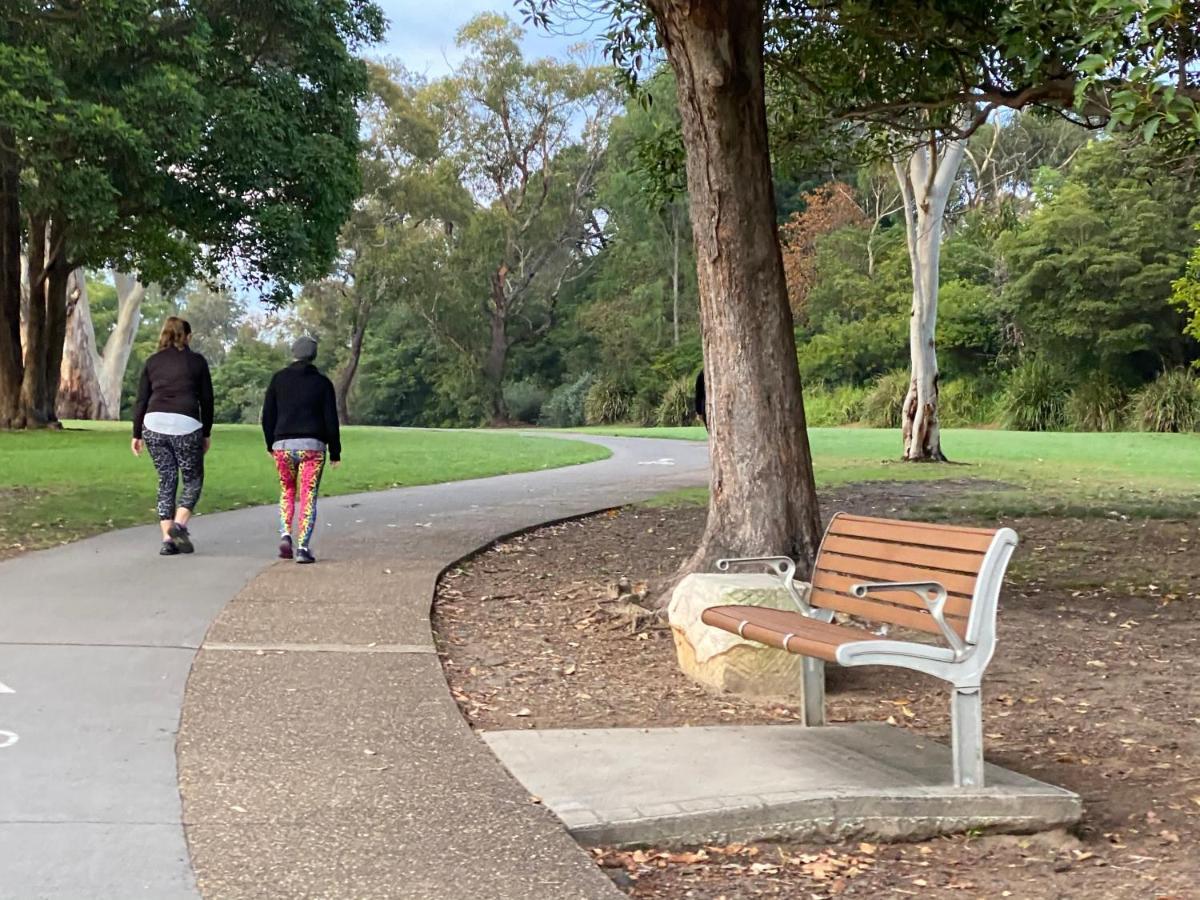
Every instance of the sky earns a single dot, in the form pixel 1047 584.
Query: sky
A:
pixel 421 32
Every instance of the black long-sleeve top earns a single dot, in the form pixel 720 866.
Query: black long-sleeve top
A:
pixel 175 381
pixel 301 403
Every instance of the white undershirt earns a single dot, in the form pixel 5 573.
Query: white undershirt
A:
pixel 170 423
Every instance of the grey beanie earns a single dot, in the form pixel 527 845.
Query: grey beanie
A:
pixel 305 349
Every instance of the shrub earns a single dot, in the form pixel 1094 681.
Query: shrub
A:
pixel 1096 404
pixel 524 401
pixel 883 406
pixel 643 411
pixel 606 403
pixel 966 402
pixel 678 406
pixel 1169 403
pixel 564 408
pixel 829 408
pixel 1035 397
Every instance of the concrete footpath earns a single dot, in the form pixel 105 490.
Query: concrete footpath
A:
pixel 320 753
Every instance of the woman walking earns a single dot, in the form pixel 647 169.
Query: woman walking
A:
pixel 173 419
pixel 300 424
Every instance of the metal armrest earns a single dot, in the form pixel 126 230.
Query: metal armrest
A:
pixel 781 566
pixel 936 605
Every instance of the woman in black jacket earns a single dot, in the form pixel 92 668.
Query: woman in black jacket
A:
pixel 300 424
pixel 173 419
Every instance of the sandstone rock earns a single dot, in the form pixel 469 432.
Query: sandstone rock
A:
pixel 724 661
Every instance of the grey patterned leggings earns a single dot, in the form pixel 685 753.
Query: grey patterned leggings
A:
pixel 175 455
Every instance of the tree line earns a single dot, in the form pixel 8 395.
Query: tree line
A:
pixel 519 240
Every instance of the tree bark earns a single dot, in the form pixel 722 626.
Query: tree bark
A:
pixel 675 274
pixel 11 413
pixel 33 382
pixel 79 393
pixel 119 346
pixel 925 184
pixel 496 360
pixel 345 379
pixel 763 498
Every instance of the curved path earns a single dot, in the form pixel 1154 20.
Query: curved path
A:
pixel 321 754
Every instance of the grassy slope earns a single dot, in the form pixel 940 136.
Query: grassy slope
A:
pixel 1131 473
pixel 56 486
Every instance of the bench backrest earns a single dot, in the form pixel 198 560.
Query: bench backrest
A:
pixel 969 562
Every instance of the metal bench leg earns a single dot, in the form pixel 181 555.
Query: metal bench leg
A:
pixel 966 714
pixel 813 684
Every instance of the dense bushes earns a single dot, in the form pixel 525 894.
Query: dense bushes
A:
pixel 1035 397
pixel 524 401
pixel 565 407
pixel 606 403
pixel 678 404
pixel 883 407
pixel 1169 403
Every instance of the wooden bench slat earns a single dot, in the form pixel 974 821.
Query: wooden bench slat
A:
pixel 919 557
pixel 874 611
pixel 770 626
pixel 829 581
pixel 880 570
pixel 975 540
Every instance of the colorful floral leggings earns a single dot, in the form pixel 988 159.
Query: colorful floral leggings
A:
pixel 299 479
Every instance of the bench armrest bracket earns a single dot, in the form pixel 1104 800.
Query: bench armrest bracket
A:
pixel 933 593
pixel 780 566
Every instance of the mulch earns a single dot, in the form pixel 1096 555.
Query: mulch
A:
pixel 1094 687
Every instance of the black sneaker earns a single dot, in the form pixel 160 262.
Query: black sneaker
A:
pixel 183 540
pixel 168 548
pixel 304 557
pixel 285 547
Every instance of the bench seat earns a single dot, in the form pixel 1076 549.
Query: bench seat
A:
pixel 786 630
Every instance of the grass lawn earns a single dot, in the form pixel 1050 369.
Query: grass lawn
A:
pixel 1052 473
pixel 60 485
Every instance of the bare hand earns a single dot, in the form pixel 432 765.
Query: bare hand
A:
pixel 335 463
pixel 136 446
pixel 207 443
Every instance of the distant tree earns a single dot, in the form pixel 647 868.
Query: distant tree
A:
pixel 528 137
pixel 826 209
pixel 1091 273
pixel 168 140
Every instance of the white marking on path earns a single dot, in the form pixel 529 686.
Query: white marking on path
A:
pixel 7 739
pixel 665 461
pixel 5 689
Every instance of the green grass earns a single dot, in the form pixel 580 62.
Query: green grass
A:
pixel 60 485
pixel 1051 472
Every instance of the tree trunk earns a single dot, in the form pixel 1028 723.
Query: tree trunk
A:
pixel 497 354
pixel 33 382
pixel 12 414
pixel 763 499
pixel 675 274
pixel 345 379
pixel 925 185
pixel 79 393
pixel 119 346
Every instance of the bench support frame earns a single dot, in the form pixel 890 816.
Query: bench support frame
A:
pixel 813 687
pixel 966 736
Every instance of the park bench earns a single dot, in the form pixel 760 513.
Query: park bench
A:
pixel 885 574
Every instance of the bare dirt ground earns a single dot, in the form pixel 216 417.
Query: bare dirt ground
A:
pixel 1094 687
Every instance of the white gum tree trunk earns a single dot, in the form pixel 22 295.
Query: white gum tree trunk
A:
pixel 926 178
pixel 90 381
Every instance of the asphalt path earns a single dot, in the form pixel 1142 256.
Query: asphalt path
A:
pixel 97 640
